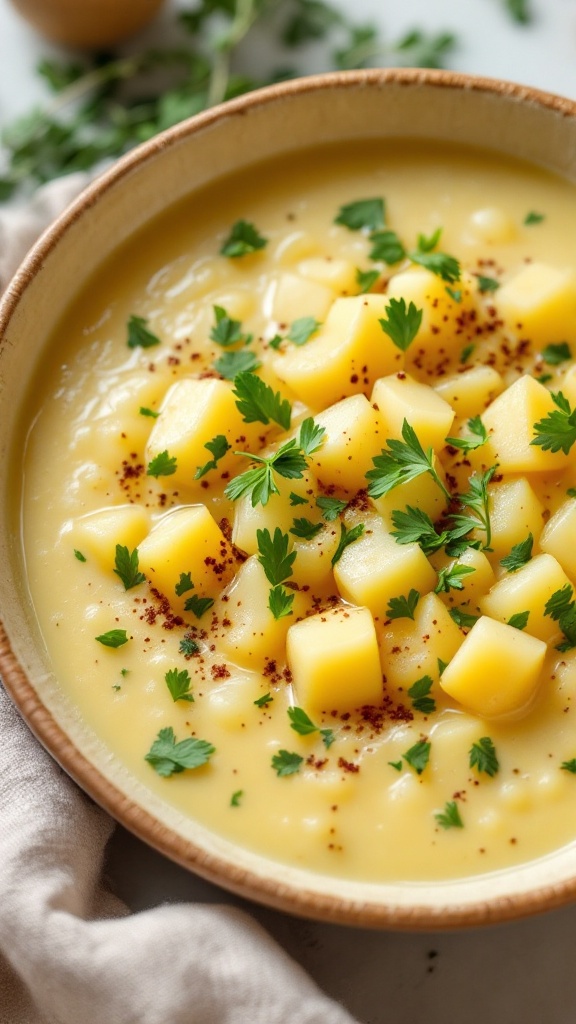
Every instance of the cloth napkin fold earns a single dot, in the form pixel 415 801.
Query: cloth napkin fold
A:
pixel 70 951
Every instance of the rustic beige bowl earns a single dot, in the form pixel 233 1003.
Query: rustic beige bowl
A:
pixel 432 105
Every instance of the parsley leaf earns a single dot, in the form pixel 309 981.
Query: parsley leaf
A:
pixel 286 762
pixel 466 353
pixel 236 798
pixel 487 284
pixel 331 507
pixel 113 638
pixel 483 756
pixel 533 217
pixel 520 554
pixel 305 528
pixel 346 537
pixel 258 403
pixel 569 766
pixel 259 482
pixel 419 694
pixel 218 447
pixel 386 246
pixel 297 499
pixel 301 330
pixel 365 279
pixel 519 620
pixel 304 726
pixel 519 10
pixel 477 500
pixel 556 354
pixel 562 608
pixel 162 464
pixel 188 647
pixel 311 436
pixel 79 555
pixel 402 323
pixel 138 334
pixel 227 332
pixel 198 605
pixel 450 816
pixel 469 444
pixel 265 699
pixel 403 607
pixel 168 757
pixel 415 526
pixel 400 462
pixel 244 238
pixel 184 584
pixel 364 213
pixel 418 756
pixel 274 556
pixel 439 263
pixel 179 682
pixel 426 243
pixel 145 411
pixel 280 602
pixel 450 578
pixel 126 563
pixel 462 618
pixel 557 430
pixel 230 364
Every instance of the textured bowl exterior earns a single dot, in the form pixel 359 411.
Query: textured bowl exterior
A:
pixel 501 116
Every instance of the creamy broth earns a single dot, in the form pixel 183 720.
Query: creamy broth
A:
pixel 356 807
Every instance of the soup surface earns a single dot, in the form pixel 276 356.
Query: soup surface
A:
pixel 299 510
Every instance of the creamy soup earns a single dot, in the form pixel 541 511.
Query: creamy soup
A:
pixel 299 510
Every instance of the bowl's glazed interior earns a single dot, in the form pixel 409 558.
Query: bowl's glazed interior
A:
pixel 375 104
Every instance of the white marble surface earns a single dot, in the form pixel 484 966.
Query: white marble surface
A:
pixel 519 973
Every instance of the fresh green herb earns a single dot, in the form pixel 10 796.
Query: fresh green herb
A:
pixel 285 762
pixel 440 263
pixel 79 555
pixel 227 332
pixel 162 464
pixel 275 342
pixel 280 602
pixel 402 323
pixel 263 701
pixel 217 447
pixel 236 798
pixel 304 726
pixel 126 563
pixel 415 526
pixel 397 765
pixel 544 378
pixel 418 756
pixel 403 607
pixel 145 411
pixel 442 665
pixel 562 608
pixel 386 246
pixel 274 556
pixel 469 444
pixel 519 10
pixel 419 694
pixel 462 618
pixel 569 766
pixel 520 554
pixel 426 50
pixel 450 816
pixel 426 243
pixel 305 528
pixel 179 682
pixel 297 499
pixel 331 507
pixel 311 436
pixel 258 403
pixel 556 354
pixel 571 492
pixel 259 482
pixel 450 577
pixel 454 293
pixel 244 238
pixel 466 353
pixel 557 430
pixel 198 605
pixel 476 500
pixel 301 330
pixel 188 647
pixel 533 218
pixel 400 462
pixel 113 638
pixel 124 672
pixel 168 757
pixel 368 214
pixel 230 364
pixel 346 537
pixel 487 284
pixel 482 756
pixel 138 334
pixel 309 21
pixel 366 279
pixel 519 620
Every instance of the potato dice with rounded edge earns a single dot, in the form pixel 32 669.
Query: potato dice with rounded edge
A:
pixel 277 512
pixel 353 437
pixel 410 648
pixel 447 325
pixel 539 303
pixel 527 590
pixel 510 421
pixel 187 540
pixel 96 534
pixel 334 661
pixel 496 670
pixel 399 397
pixel 559 535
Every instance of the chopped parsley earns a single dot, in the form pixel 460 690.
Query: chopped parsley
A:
pixel 487 284
pixel 126 567
pixel 145 411
pixel 188 647
pixel 297 499
pixel 264 700
pixel 402 323
pixel 277 562
pixel 400 462
pixel 301 330
pixel 113 638
pixel 403 607
pixel 305 528
pixel 451 578
pixel 557 430
pixel 244 238
pixel 198 605
pixel 557 353
pixel 363 214
pixel 419 694
pixel 519 556
pixel 532 217
pixel 440 263
pixel 462 618
pixel 162 464
pixel 386 246
pixel 178 683
pixel 304 726
pixel 330 507
pixel 519 620
pixel 259 482
pixel 415 526
pixel 366 279
pixel 569 766
pixel 346 537
pixel 466 353
pixel 79 555
pixel 168 757
pixel 138 334
pixel 562 608
pixel 476 500
pixel 217 447
pixel 230 364
pixel 258 403
pixel 469 444
pixel 482 757
pixel 226 331
pixel 280 602
pixel 236 798
pixel 418 756
pixel 450 816
pixel 311 436
pixel 286 762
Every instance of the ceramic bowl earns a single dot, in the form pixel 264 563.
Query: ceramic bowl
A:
pixel 502 116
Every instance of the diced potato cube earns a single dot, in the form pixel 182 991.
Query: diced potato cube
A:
pixel 527 590
pixel 337 274
pixel 410 648
pixel 239 303
pixel 251 636
pixel 353 437
pixel 474 585
pixel 348 354
pixel 559 536
pixel 446 324
pixel 539 303
pixel 423 492
pixel 515 511
pixel 510 421
pixel 97 533
pixel 492 225
pixel 278 512
pixel 313 562
pixel 295 296
pixel 187 540
pixel 375 568
pixel 295 246
pixel 400 397
pixel 471 391
pixel 496 670
pixel 333 657
pixel 193 413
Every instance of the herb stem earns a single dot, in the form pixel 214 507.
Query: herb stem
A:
pixel 245 16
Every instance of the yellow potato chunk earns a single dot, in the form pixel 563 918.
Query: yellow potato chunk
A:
pixel 471 391
pixel 313 562
pixel 410 648
pixel 347 355
pixel 97 533
pixel 295 296
pixel 515 511
pixel 527 590
pixel 400 397
pixel 337 274
pixel 423 492
pixel 559 537
pixel 474 584
pixel 333 657
pixel 510 421
pixel 187 540
pixel 277 512
pixel 375 568
pixel 539 303
pixel 353 437
pixel 496 670
pixel 442 332
pixel 492 225
pixel 252 636
pixel 193 413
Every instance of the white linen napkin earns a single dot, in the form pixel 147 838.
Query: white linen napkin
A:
pixel 70 952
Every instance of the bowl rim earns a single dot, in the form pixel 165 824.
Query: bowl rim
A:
pixel 300 899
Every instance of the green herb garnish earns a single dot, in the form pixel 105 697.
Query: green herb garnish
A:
pixel 400 462
pixel 556 354
pixel 557 430
pixel 244 238
pixel 402 323
pixel 520 554
pixel 419 694
pixel 482 756
pixel 301 330
pixel 346 537
pixel 258 403
pixel 178 683
pixel 403 607
pixel 113 638
pixel 519 620
pixel 226 331
pixel 450 816
pixel 418 756
pixel 198 605
pixel 364 214
pixel 304 726
pixel 330 507
pixel 469 444
pixel 162 464
pixel 79 555
pixel 285 762
pixel 168 757
pixel 126 567
pixel 451 578
pixel 218 447
pixel 138 334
